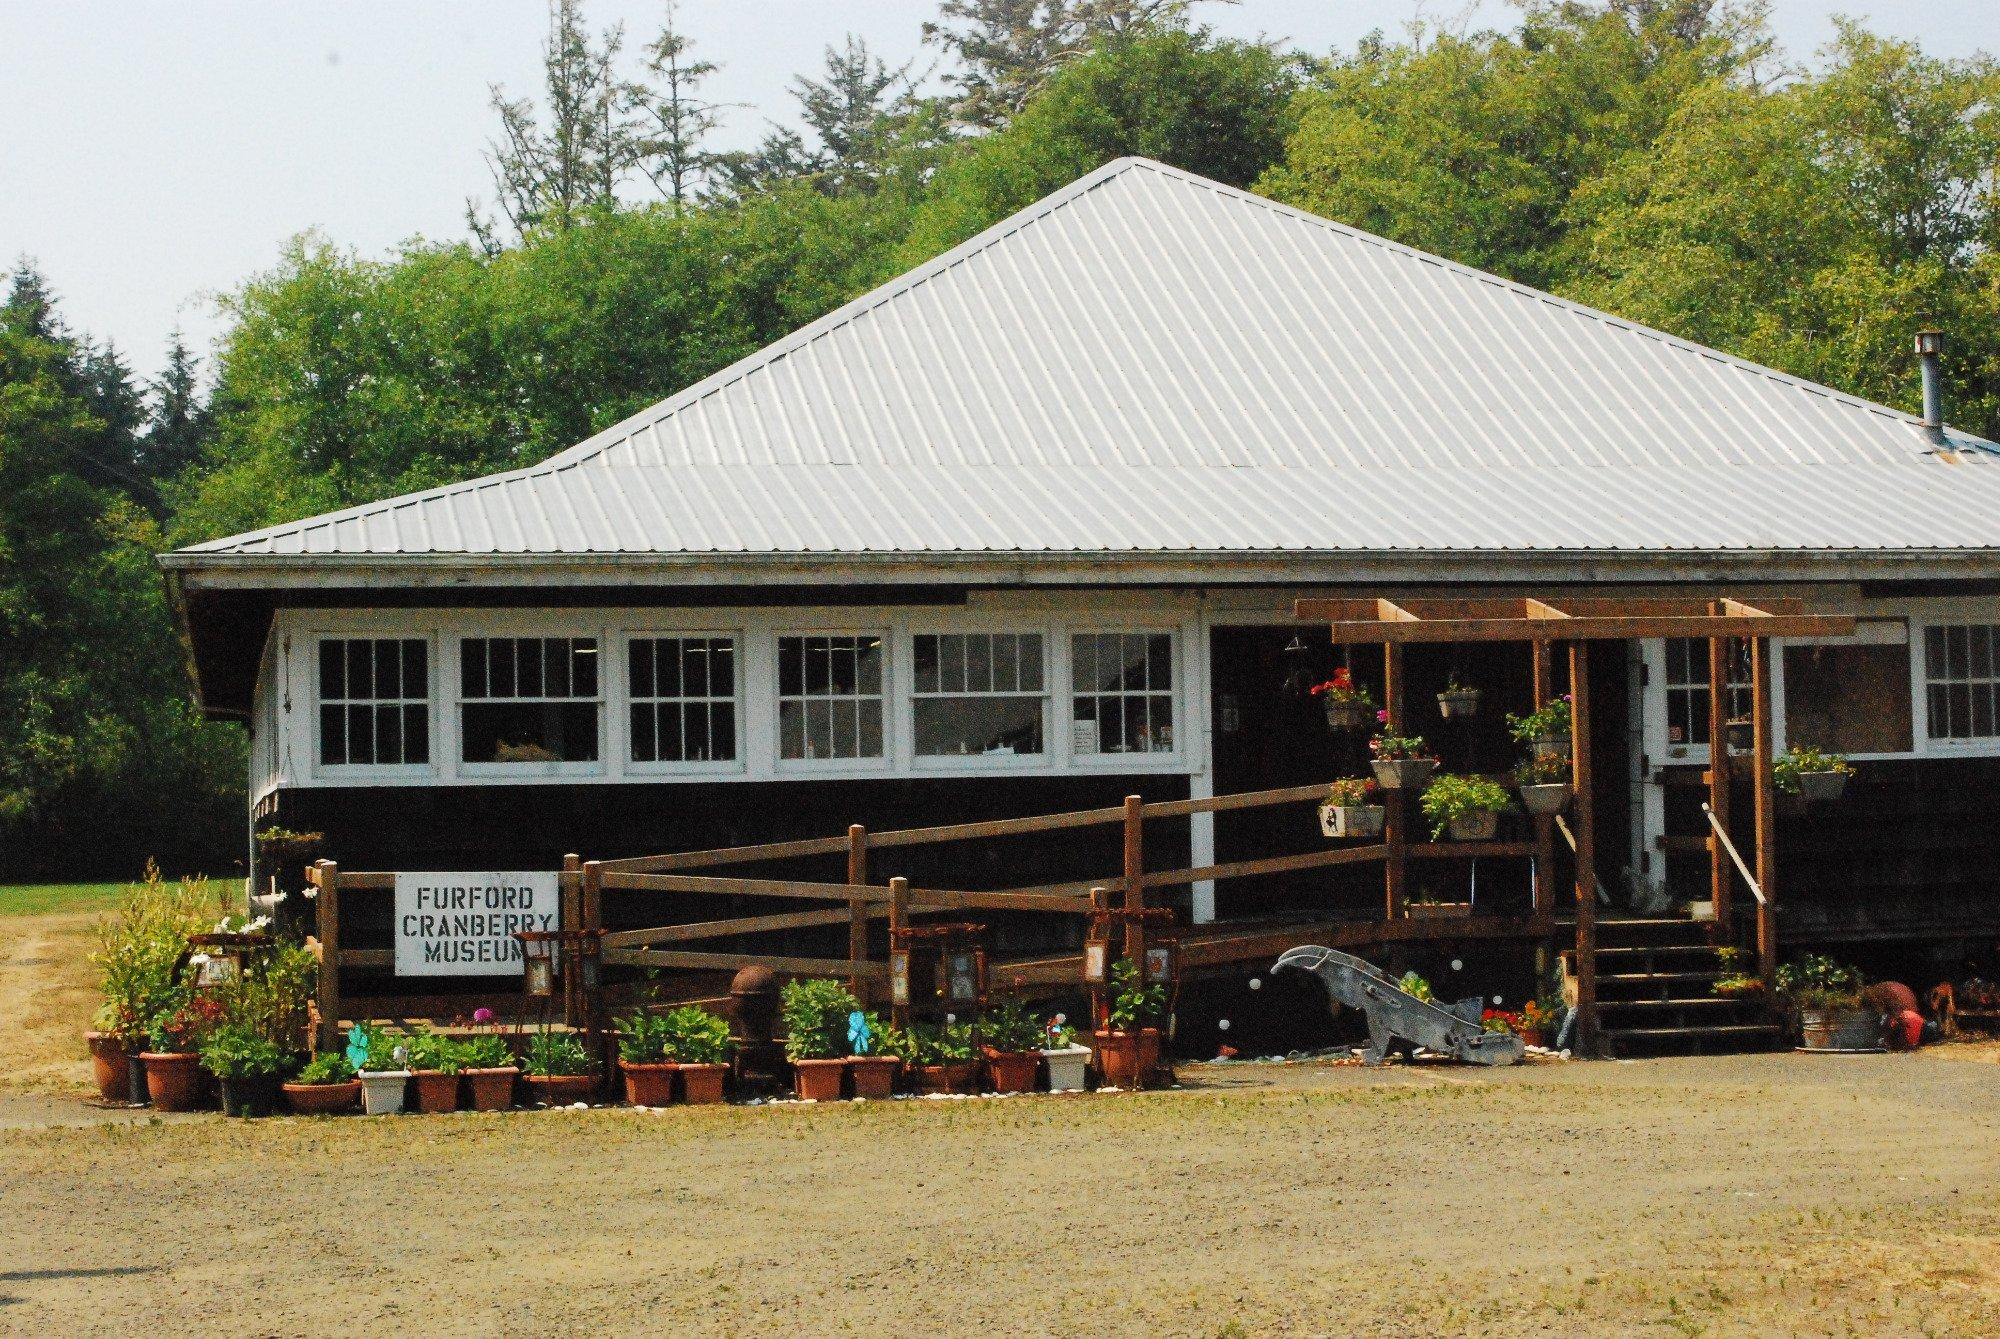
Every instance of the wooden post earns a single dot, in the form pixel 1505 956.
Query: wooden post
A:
pixel 899 920
pixel 857 912
pixel 1720 879
pixel 1766 806
pixel 1395 834
pixel 590 1003
pixel 1544 891
pixel 1135 880
pixel 1588 1041
pixel 327 907
pixel 1100 1008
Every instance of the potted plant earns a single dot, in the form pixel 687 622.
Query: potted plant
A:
pixel 379 1060
pixel 486 1063
pixel 325 1087
pixel 1544 782
pixel 1467 808
pixel 815 1013
pixel 1011 1037
pixel 1348 706
pixel 699 1043
pixel 645 1060
pixel 1069 1063
pixel 248 1066
pixel 1352 808
pixel 1501 1021
pixel 136 953
pixel 871 1066
pixel 558 1070
pixel 174 1076
pixel 1536 1022
pixel 435 1063
pixel 1545 731
pixel 1458 701
pixel 1827 995
pixel 944 1060
pixel 1129 1049
pixel 1811 775
pixel 1401 762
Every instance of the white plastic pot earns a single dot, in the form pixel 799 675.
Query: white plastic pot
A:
pixel 382 1090
pixel 1067 1068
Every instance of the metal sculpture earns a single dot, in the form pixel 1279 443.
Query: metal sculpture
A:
pixel 1395 1015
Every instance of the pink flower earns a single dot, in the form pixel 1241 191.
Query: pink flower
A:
pixel 482 1015
pixel 1383 715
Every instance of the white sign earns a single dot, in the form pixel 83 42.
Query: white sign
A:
pixel 464 924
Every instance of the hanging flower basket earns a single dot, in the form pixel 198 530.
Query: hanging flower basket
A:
pixel 1349 717
pixel 1477 826
pixel 1458 703
pixel 1816 787
pixel 1403 773
pixel 1551 798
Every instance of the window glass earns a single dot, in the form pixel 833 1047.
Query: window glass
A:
pixel 1124 692
pixel 830 696
pixel 978 694
pixel 1687 690
pixel 1962 680
pixel 374 701
pixel 529 699
pixel 683 699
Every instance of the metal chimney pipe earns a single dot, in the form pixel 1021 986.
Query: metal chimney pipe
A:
pixel 1930 347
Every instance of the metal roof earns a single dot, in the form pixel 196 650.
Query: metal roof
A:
pixel 1147 362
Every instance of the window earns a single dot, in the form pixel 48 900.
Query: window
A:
pixel 1124 692
pixel 529 699
pixel 1962 680
pixel 977 694
pixel 683 698
pixel 374 701
pixel 1687 690
pixel 830 696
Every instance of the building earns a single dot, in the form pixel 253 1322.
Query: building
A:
pixel 1022 531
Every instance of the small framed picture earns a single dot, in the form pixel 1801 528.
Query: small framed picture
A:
pixel 1159 963
pixel 962 973
pixel 899 976
pixel 1094 961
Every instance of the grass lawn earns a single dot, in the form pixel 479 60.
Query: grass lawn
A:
pixel 54 899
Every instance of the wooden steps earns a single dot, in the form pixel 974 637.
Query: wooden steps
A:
pixel 1655 993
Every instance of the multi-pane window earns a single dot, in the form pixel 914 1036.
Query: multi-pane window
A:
pixel 374 701
pixel 977 694
pixel 1123 692
pixel 683 698
pixel 529 699
pixel 830 696
pixel 1962 680
pixel 1687 690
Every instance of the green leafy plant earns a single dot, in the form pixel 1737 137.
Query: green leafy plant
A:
pixel 1799 759
pixel 187 1023
pixel 552 1054
pixel 1401 748
pixel 1351 791
pixel 1454 688
pixel 326 1067
pixel 1413 984
pixel 1552 721
pixel 1543 769
pixel 694 1036
pixel 1134 1002
pixel 138 945
pixel 1342 688
pixel 1011 1026
pixel 643 1039
pixel 941 1044
pixel 1451 796
pixel 1816 981
pixel 892 1040
pixel 485 1050
pixel 815 1011
pixel 433 1052
pixel 233 1051
pixel 1057 1033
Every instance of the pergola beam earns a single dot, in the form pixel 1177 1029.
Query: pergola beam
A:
pixel 1562 619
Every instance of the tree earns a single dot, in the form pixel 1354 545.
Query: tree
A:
pixel 677 120
pixel 854 114
pixel 179 420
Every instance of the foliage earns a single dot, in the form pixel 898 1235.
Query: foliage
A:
pixel 1342 688
pixel 383 1051
pixel 1738 985
pixel 235 1051
pixel 138 946
pixel 1816 981
pixel 1800 759
pixel 1452 796
pixel 1542 769
pixel 1350 791
pixel 485 1050
pixel 1011 1026
pixel 433 1052
pixel 325 1068
pixel 552 1054
pixel 694 1036
pixel 184 1026
pixel 815 1014
pixel 272 997
pixel 1135 1003
pixel 1500 1020
pixel 940 1043
pixel 1401 748
pixel 1415 985
pixel 1539 1016
pixel 892 1040
pixel 642 1039
pixel 1453 688
pixel 1057 1033
pixel 1551 721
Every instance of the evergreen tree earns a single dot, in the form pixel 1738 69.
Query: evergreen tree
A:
pixel 855 113
pixel 677 121
pixel 179 419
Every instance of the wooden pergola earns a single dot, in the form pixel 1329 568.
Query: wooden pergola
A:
pixel 1575 623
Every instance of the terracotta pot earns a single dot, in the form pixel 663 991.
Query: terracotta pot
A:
pixel 1151 1070
pixel 701 1085
pixel 874 1075
pixel 1531 1036
pixel 1013 1072
pixel 1117 1058
pixel 173 1080
pixel 953 1076
pixel 648 1083
pixel 256 1095
pixel 818 1080
pixel 107 1065
pixel 559 1090
pixel 491 1089
pixel 323 1099
pixel 437 1091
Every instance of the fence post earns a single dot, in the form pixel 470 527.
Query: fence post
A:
pixel 590 999
pixel 1135 879
pixel 899 920
pixel 857 912
pixel 327 908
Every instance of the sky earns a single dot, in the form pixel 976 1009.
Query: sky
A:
pixel 153 156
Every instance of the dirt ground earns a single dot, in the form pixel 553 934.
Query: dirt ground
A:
pixel 1751 1195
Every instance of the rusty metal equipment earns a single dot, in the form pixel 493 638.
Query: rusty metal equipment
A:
pixel 1395 1015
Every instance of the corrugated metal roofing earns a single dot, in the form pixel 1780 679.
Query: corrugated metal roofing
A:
pixel 1149 362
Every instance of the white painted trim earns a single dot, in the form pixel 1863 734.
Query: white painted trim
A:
pixel 620 726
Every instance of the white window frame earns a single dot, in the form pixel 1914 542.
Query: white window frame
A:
pixel 1054 713
pixel 1176 691
pixel 1920 679
pixel 890 761
pixel 628 699
pixel 348 773
pixel 603 700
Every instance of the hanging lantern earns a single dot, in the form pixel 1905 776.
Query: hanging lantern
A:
pixel 590 956
pixel 1097 953
pixel 1162 961
pixel 1298 671
pixel 899 976
pixel 538 950
pixel 965 976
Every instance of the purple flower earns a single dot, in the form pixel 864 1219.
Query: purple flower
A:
pixel 482 1015
pixel 1382 715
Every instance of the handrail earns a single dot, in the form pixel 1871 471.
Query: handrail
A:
pixel 1562 825
pixel 1730 846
